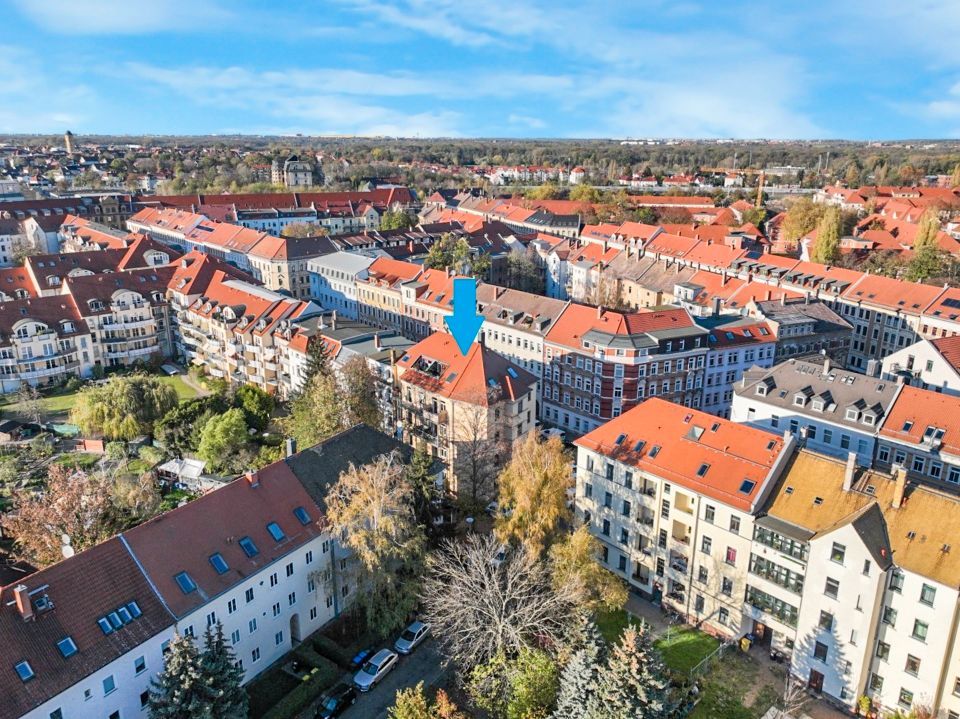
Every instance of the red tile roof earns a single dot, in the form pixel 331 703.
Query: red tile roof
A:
pixel 687 440
pixel 569 329
pixel 923 408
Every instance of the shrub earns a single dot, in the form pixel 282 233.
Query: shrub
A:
pixel 320 679
pixel 329 649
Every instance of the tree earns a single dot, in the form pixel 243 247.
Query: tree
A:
pixel 826 248
pixel 124 407
pixel 574 564
pixel 256 404
pixel 360 394
pixel 179 691
pixel 801 217
pixel 585 193
pixel 30 403
pixel 755 216
pixel 137 496
pixel 449 251
pixel 397 220
pixel 420 479
pixel 304 229
pixel 581 674
pixel 179 429
pixel 927 260
pixel 318 360
pixel 520 687
pixel 546 191
pixel 634 684
pixel 533 492
pixel 223 441
pixel 523 274
pixel 481 605
pixel 955 176
pixel 479 446
pixel 372 508
pixel 412 703
pixel 317 413
pixel 222 678
pixel 74 504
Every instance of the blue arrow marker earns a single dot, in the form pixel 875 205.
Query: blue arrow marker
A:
pixel 464 323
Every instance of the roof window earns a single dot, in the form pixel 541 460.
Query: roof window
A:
pixel 747 486
pixel 219 563
pixel 248 547
pixel 24 670
pixel 67 647
pixel 185 582
pixel 276 532
pixel 301 514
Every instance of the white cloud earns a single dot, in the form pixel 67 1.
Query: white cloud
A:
pixel 526 121
pixel 109 17
pixel 34 101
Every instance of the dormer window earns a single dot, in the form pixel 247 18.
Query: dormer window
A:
pixel 799 399
pixel 818 405
pixel 53 280
pixel 762 390
pixel 852 414
pixel 869 419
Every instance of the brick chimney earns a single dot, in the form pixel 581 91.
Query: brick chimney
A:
pixel 253 479
pixel 900 488
pixel 22 599
pixel 376 340
pixel 599 312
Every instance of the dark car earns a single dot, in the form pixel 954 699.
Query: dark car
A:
pixel 335 701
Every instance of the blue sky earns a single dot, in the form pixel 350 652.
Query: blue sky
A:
pixel 522 68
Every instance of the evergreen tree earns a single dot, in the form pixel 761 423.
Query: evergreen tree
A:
pixel 826 248
pixel 318 361
pixel 634 684
pixel 179 691
pixel 581 674
pixel 222 677
pixel 421 482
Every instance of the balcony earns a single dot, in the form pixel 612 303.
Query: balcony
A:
pixel 678 562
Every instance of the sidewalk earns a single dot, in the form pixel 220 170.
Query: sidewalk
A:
pixel 648 612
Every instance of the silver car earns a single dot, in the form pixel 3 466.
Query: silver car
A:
pixel 411 637
pixel 375 669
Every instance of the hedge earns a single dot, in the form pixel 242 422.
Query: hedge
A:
pixel 330 649
pixel 319 679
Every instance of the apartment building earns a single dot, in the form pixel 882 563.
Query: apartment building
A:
pixel 834 411
pixel 672 494
pixel 932 364
pixel 804 328
pixel 380 295
pixel 453 404
pixel 334 279
pixel 734 346
pixel 233 328
pixel 851 578
pixel 253 556
pixel 599 363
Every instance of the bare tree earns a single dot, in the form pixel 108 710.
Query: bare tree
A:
pixel 481 440
pixel 482 603
pixel 794 696
pixel 30 402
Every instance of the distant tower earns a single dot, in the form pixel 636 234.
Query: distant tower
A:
pixel 68 142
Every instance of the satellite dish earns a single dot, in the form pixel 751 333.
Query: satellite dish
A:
pixel 67 551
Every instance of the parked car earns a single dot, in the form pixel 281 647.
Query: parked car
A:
pixel 547 434
pixel 334 702
pixel 411 637
pixel 376 668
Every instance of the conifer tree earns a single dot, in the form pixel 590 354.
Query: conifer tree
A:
pixel 179 691
pixel 581 674
pixel 634 684
pixel 227 699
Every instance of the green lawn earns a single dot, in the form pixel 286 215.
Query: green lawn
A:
pixel 184 391
pixel 736 688
pixel 686 648
pixel 611 624
pixel 80 460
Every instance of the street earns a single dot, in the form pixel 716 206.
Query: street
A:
pixel 423 665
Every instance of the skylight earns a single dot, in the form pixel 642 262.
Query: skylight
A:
pixel 219 563
pixel 704 468
pixel 115 619
pixel 248 547
pixel 301 514
pixel 186 584
pixel 512 372
pixel 276 532
pixel 639 445
pixel 654 450
pixel 67 647
pixel 747 486
pixel 124 615
pixel 24 670
pixel 105 625
pixel 619 440
pixel 906 426
pixel 134 609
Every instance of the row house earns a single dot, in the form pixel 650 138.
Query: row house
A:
pixel 672 494
pixel 380 295
pixel 254 557
pixel 852 580
pixel 334 279
pixel 932 364
pixel 599 363
pixel 232 329
pixel 735 345
pixel 834 411
pixel 804 328
pixel 463 409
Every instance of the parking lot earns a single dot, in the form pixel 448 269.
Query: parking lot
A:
pixel 424 664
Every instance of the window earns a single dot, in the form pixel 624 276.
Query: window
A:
pixel 625 508
pixel 866 567
pixel 832 588
pixel 709 513
pixel 837 553
pixel 308 557
pixel 24 670
pixel 723 616
pixel 139 665
pixel 905 699
pixel 231 606
pixel 248 547
pixel 252 625
pixel 912 665
pixel 292 598
pixel 920 630
pixel 278 638
pixel 67 647
pixel 883 650
pixel 276 532
pixel 302 516
pixel 109 686
pixel 927 595
pixel 726 586
pixel 274 580
pixel 706 544
pixel 185 583
pixel 876 683
pixel 58 713
pixel 896 580
pixel 219 563
pixel 144 699
pixel 702 575
pixel 820 651
pixel 890 616
pixel 826 620
pixel 248 595
pixel 211 619
pixel 313 613
pixel 255 655
pixel 731 557
pixel 290 569
pixel 235 636
pixel 735 525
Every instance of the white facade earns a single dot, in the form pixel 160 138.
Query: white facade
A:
pixel 726 365
pixel 925 367
pixel 333 281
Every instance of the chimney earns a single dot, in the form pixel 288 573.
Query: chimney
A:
pixel 768 295
pixel 291 444
pixel 787 436
pixel 22 599
pixel 252 478
pixel 723 279
pixel 900 487
pixel 333 320
pixel 716 306
pixel 783 299
pixel 376 340
pixel 849 470
pixel 806 298
pixel 599 312
pixel 826 365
